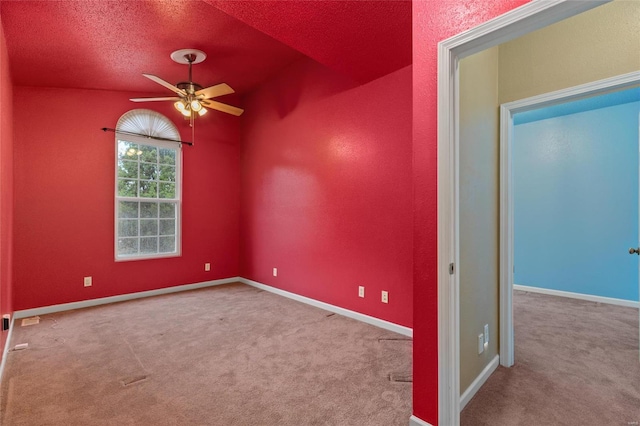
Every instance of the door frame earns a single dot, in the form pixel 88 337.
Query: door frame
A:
pixel 520 21
pixel 507 112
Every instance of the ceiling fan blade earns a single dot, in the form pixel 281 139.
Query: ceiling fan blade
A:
pixel 154 99
pixel 165 84
pixel 214 91
pixel 223 107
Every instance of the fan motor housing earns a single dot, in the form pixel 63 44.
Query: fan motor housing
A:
pixel 189 86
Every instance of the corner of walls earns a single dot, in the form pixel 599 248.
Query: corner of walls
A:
pixel 6 187
pixel 326 189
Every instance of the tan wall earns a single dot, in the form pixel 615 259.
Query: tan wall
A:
pixel 597 44
pixel 479 215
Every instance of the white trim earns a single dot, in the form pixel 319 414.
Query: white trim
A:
pixel 415 421
pixel 589 297
pixel 527 18
pixel 581 91
pixel 400 329
pixel 475 386
pixel 25 313
pixel 507 356
pixel 507 112
pixel 5 351
pixel 448 329
pixel 396 328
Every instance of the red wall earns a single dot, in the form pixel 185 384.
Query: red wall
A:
pixel 64 199
pixel 6 186
pixel 326 188
pixel 432 22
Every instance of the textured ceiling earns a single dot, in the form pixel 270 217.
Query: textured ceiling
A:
pixel 363 39
pixel 109 44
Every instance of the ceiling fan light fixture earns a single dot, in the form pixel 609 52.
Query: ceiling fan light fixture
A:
pixel 191 97
pixel 195 105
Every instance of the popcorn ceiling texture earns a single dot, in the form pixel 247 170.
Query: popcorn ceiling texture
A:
pixel 108 44
pixel 362 39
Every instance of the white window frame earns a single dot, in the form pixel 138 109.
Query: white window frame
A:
pixel 178 200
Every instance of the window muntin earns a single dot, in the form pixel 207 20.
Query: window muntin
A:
pixel 147 199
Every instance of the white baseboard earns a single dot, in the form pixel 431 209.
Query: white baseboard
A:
pixel 5 351
pixel 600 299
pixel 479 381
pixel 415 421
pixel 406 331
pixel 331 308
pixel 120 298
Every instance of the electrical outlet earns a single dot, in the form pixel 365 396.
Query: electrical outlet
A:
pixel 361 291
pixel 88 281
pixel 486 334
pixel 385 296
pixel 480 344
pixel 275 272
pixel 207 266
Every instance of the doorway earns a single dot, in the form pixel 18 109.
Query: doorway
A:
pixel 508 113
pixel 530 17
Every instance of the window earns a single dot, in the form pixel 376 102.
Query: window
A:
pixel 148 183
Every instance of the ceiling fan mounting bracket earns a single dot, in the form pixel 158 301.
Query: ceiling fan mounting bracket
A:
pixel 188 56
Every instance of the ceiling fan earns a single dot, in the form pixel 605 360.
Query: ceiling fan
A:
pixel 192 98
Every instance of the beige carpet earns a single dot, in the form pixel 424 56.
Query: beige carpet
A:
pixel 227 355
pixel 576 364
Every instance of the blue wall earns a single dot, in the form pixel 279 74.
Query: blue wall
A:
pixel 576 200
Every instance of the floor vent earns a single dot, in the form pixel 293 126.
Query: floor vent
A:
pixel 401 378
pixel 133 380
pixel 30 321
